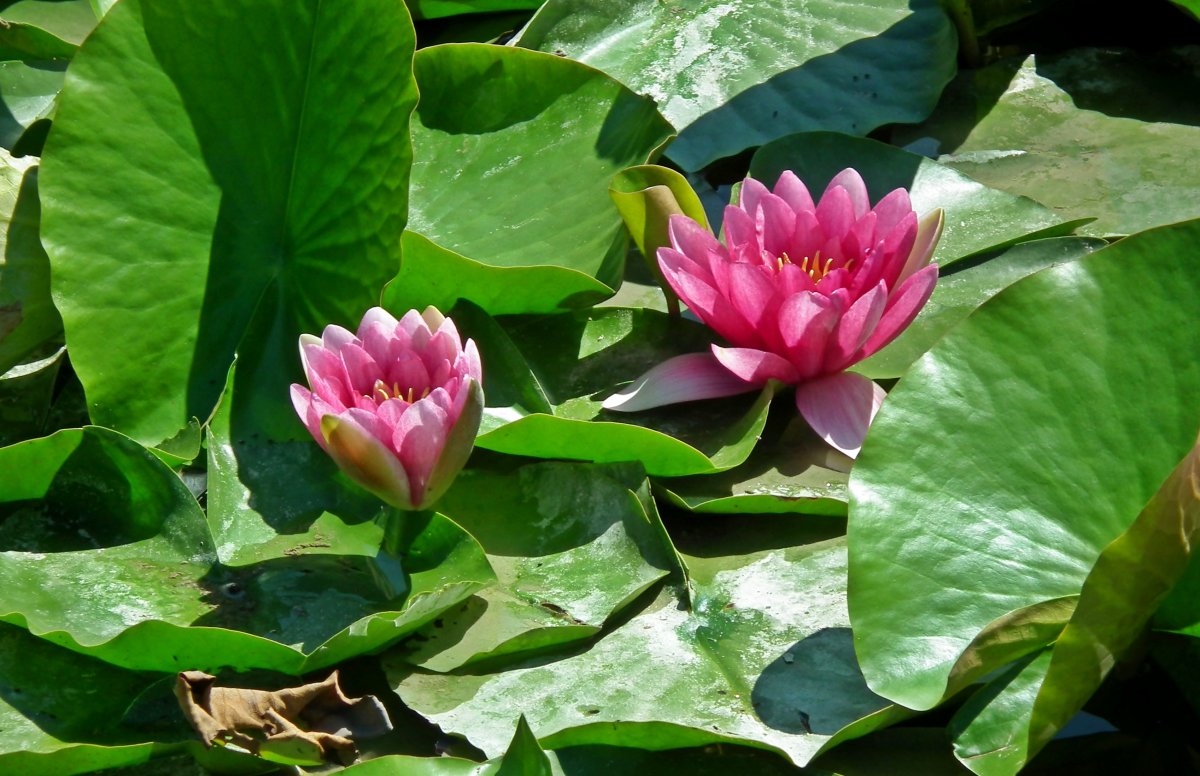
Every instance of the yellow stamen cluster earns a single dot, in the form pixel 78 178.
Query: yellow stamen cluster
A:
pixel 811 265
pixel 394 391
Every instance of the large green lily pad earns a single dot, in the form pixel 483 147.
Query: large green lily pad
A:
pixel 513 154
pixel 210 212
pixel 1101 133
pixel 1012 454
pixel 730 76
pixel 764 658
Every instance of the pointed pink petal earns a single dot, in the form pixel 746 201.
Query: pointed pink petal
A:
pixel 679 379
pixel 408 371
pixel 854 327
pixel 793 280
pixel 741 235
pixel 750 194
pixel 753 292
pixel 377 316
pixel 929 231
pixel 710 306
pixel 302 400
pixel 361 368
pixel 840 408
pixel 693 240
pixel 419 438
pixel 326 373
pixel 902 307
pixel 335 338
pixel 776 223
pixel 896 247
pixel 808 236
pixel 805 322
pixel 836 213
pixel 850 181
pixel 755 366
pixel 366 460
pixel 895 206
pixel 793 191
pixel 468 363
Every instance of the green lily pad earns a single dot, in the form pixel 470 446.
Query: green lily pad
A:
pixel 28 318
pixel 1012 454
pixel 1110 134
pixel 26 396
pixel 68 20
pixel 107 553
pixel 730 76
pixel 524 757
pixel 571 545
pixel 764 658
pixel 545 401
pixel 1131 576
pixel 209 219
pixel 791 471
pixel 962 289
pixel 977 218
pixel 513 154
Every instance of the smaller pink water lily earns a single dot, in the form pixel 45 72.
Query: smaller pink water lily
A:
pixel 397 406
pixel 801 291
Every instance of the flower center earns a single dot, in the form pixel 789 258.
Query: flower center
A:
pixel 813 266
pixel 394 391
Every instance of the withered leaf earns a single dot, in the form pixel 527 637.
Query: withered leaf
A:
pixel 300 725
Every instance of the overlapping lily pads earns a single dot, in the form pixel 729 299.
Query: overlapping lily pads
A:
pixel 571 545
pixel 763 658
pixel 1070 406
pixel 27 315
pixel 730 76
pixel 107 553
pixel 514 151
pixel 548 376
pixel 1093 132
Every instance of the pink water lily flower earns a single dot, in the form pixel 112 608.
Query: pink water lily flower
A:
pixel 397 406
pixel 800 291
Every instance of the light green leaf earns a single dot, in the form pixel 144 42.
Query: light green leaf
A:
pixel 545 400
pixel 963 288
pixel 730 76
pixel 1013 453
pixel 28 318
pixel 513 154
pixel 208 219
pixel 1110 134
pixel 571 544
pixel 763 659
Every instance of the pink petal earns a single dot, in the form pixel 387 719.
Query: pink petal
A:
pixel 902 307
pixel 378 317
pixel 468 363
pixel 361 368
pixel 895 206
pixel 753 292
pixel 755 366
pixel 929 231
pixel 419 438
pixel 840 408
pixel 854 327
pixel 793 191
pixel 807 238
pixel 679 379
pixel 852 183
pixel 805 322
pixel 836 213
pixel 776 222
pixel 335 338
pixel 326 373
pixel 741 235
pixel 715 310
pixel 896 247
pixel 366 460
pixel 302 400
pixel 693 240
pixel 750 194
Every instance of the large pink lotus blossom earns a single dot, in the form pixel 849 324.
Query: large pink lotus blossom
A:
pixel 800 291
pixel 397 406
